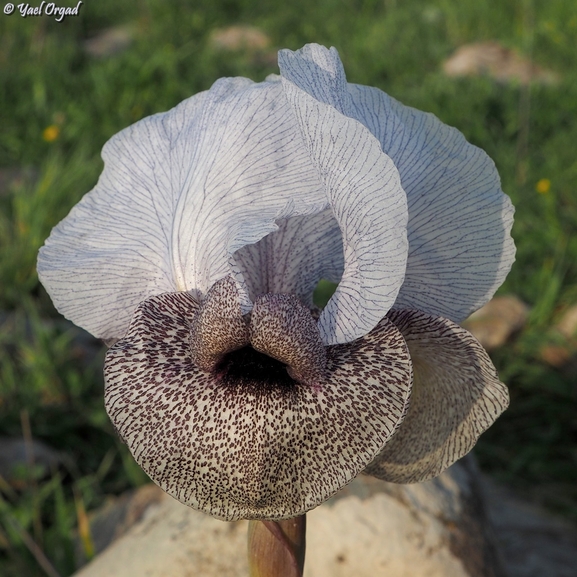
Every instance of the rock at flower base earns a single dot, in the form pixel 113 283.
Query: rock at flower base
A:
pixel 371 528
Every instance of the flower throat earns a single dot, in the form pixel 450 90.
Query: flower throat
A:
pixel 248 370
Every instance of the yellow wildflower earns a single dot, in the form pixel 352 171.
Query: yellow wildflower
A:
pixel 543 186
pixel 51 133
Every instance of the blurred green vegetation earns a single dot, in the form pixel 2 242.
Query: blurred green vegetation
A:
pixel 59 104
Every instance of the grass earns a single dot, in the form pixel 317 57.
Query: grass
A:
pixel 49 376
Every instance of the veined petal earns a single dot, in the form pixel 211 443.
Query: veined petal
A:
pixel 364 190
pixel 243 444
pixel 294 258
pixel 460 247
pixel 456 396
pixel 180 193
pixel 320 73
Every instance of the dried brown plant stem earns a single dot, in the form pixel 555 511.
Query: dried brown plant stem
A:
pixel 277 548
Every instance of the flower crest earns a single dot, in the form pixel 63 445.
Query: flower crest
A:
pixel 198 251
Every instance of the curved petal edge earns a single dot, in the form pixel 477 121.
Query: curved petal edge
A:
pixel 459 228
pixel 456 396
pixel 363 187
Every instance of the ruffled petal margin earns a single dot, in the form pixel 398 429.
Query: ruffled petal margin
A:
pixel 456 396
pixel 459 230
pixel 180 193
pixel 363 188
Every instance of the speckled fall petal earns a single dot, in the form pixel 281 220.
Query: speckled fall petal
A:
pixel 246 440
pixel 456 396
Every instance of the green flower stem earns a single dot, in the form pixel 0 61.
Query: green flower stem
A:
pixel 277 548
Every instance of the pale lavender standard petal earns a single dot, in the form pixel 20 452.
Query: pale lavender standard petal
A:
pixel 183 191
pixel 363 188
pixel 294 258
pixel 319 72
pixel 460 246
pixel 304 249
pixel 180 193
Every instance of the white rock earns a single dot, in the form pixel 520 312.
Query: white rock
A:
pixel 370 529
pixel 238 38
pixel 498 62
pixel 493 324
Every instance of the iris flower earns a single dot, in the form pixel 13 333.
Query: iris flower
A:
pixel 196 256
